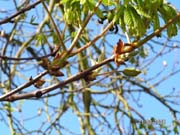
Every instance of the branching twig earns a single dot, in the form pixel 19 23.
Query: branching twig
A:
pixel 38 93
pixel 28 58
pixel 157 32
pixel 94 40
pixel 137 44
pixel 54 25
pixel 156 96
pixel 20 88
pixel 9 19
pixel 81 30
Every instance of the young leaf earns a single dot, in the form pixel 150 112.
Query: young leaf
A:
pixel 82 1
pixel 128 17
pixel 107 2
pixel 99 13
pixel 134 21
pixel 40 39
pixel 143 12
pixel 118 49
pixel 156 23
pixel 131 72
pixel 39 83
pixel 172 30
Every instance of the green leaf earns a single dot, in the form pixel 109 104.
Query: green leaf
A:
pixel 99 13
pixel 132 72
pixel 82 2
pixel 122 24
pixel 143 12
pixel 119 17
pixel 110 16
pixel 139 3
pixel 141 125
pixel 128 17
pixel 156 23
pixel 150 127
pixel 55 38
pixel 134 22
pixel 176 130
pixel 69 16
pixel 134 53
pixel 64 1
pixel 40 39
pixel 126 2
pixel 107 2
pixel 168 12
pixel 72 12
pixel 172 30
pixel 132 60
pixel 143 52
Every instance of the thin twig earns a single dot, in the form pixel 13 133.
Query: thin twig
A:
pixel 28 58
pixel 38 93
pixel 54 25
pixel 156 32
pixel 81 29
pixel 9 19
pixel 94 40
pixel 20 88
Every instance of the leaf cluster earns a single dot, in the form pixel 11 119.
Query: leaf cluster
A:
pixel 74 10
pixel 137 16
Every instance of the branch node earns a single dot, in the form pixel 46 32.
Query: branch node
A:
pixel 38 94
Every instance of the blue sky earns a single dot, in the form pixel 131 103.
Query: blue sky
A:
pixel 151 108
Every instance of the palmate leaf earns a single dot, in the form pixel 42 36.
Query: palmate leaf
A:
pixel 168 12
pixel 134 21
pixel 143 13
pixel 171 12
pixel 155 21
pixel 139 3
pixel 172 30
pixel 89 5
pixel 119 17
pixel 128 17
pixel 99 13
pixel 72 11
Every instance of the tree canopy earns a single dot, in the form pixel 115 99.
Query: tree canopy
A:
pixel 89 67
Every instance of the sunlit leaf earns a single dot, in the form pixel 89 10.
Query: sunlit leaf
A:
pixel 82 1
pixel 156 22
pixel 40 39
pixel 131 72
pixel 107 2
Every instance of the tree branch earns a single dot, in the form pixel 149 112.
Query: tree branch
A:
pixel 9 19
pixel 38 93
pixel 20 88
